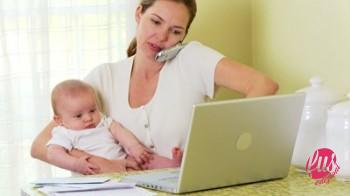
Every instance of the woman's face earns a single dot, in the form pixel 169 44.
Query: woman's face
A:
pixel 160 26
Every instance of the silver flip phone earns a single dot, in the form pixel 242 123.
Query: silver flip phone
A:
pixel 169 53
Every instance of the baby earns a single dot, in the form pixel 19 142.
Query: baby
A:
pixel 82 126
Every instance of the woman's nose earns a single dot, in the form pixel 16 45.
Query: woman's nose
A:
pixel 163 34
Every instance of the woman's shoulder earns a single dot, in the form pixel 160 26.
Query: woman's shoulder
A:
pixel 105 70
pixel 199 48
pixel 193 44
pixel 195 50
pixel 197 44
pixel 107 67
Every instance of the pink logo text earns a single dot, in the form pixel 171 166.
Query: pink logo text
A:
pixel 322 166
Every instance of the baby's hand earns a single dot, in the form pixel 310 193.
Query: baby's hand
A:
pixel 82 166
pixel 140 153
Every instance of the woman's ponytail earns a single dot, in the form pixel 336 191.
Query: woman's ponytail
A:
pixel 132 48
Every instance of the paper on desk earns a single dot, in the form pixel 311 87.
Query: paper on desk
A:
pixel 111 192
pixel 70 180
pixel 85 187
pixel 110 188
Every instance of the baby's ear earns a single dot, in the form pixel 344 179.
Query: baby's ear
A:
pixel 57 119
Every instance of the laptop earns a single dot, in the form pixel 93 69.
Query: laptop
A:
pixel 233 142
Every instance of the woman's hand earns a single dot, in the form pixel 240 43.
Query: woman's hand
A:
pixel 131 164
pixel 140 153
pixel 106 165
pixel 81 165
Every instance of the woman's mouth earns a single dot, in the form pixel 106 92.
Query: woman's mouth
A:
pixel 154 47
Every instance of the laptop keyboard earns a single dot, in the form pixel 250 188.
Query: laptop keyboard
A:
pixel 171 179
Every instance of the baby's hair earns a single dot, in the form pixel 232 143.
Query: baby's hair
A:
pixel 69 88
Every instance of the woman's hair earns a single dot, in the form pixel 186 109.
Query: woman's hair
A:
pixel 69 88
pixel 145 4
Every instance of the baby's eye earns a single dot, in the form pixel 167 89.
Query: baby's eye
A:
pixel 78 116
pixel 93 110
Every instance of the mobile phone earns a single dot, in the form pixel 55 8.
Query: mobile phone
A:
pixel 169 53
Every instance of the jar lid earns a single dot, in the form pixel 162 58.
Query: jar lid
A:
pixel 341 109
pixel 318 93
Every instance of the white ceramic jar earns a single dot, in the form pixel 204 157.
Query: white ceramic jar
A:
pixel 312 131
pixel 338 137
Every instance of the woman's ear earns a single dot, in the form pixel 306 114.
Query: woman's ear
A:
pixel 138 14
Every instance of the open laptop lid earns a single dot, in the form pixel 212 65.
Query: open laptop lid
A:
pixel 240 141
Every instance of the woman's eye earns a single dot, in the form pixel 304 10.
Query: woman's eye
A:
pixel 156 22
pixel 177 32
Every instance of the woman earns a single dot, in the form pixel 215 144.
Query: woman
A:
pixel 154 100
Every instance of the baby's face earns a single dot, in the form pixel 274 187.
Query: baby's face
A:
pixel 79 112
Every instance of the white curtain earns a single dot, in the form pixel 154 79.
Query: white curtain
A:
pixel 41 43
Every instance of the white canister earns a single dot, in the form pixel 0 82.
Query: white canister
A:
pixel 338 137
pixel 312 131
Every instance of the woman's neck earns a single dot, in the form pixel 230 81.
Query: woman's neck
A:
pixel 145 67
pixel 143 81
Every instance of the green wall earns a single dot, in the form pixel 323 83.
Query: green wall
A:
pixel 290 40
pixel 296 39
pixel 226 26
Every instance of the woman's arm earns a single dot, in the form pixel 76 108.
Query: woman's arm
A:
pixel 106 165
pixel 38 149
pixel 243 79
pixel 59 156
